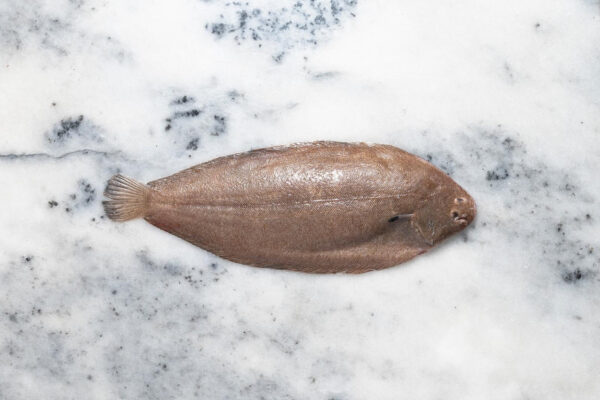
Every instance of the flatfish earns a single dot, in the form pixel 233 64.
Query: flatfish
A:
pixel 321 207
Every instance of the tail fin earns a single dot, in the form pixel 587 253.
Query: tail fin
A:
pixel 129 199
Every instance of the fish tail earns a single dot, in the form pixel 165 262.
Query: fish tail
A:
pixel 129 199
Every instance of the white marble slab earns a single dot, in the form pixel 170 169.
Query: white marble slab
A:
pixel 504 96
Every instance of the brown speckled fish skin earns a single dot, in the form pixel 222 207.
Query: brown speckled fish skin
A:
pixel 322 207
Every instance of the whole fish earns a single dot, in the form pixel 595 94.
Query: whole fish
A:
pixel 321 207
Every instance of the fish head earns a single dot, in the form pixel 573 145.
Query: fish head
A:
pixel 448 210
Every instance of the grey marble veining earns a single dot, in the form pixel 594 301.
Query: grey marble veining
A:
pixel 501 96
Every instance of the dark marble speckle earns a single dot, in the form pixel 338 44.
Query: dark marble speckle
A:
pixel 497 174
pixel 192 144
pixel 191 118
pixel 573 276
pixel 65 129
pixel 219 126
pixel 74 132
pixel 83 197
pixel 289 25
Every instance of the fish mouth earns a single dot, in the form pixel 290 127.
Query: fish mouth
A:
pixel 462 220
pixel 464 209
pixel 466 215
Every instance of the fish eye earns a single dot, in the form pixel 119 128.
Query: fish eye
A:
pixel 459 200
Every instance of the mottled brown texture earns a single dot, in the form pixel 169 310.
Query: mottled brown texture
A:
pixel 320 207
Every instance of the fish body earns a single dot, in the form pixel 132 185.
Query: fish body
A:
pixel 321 207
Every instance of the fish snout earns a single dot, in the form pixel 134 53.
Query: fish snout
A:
pixel 464 210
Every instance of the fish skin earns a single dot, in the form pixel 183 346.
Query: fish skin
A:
pixel 321 207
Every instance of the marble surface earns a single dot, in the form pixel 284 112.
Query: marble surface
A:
pixel 504 96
